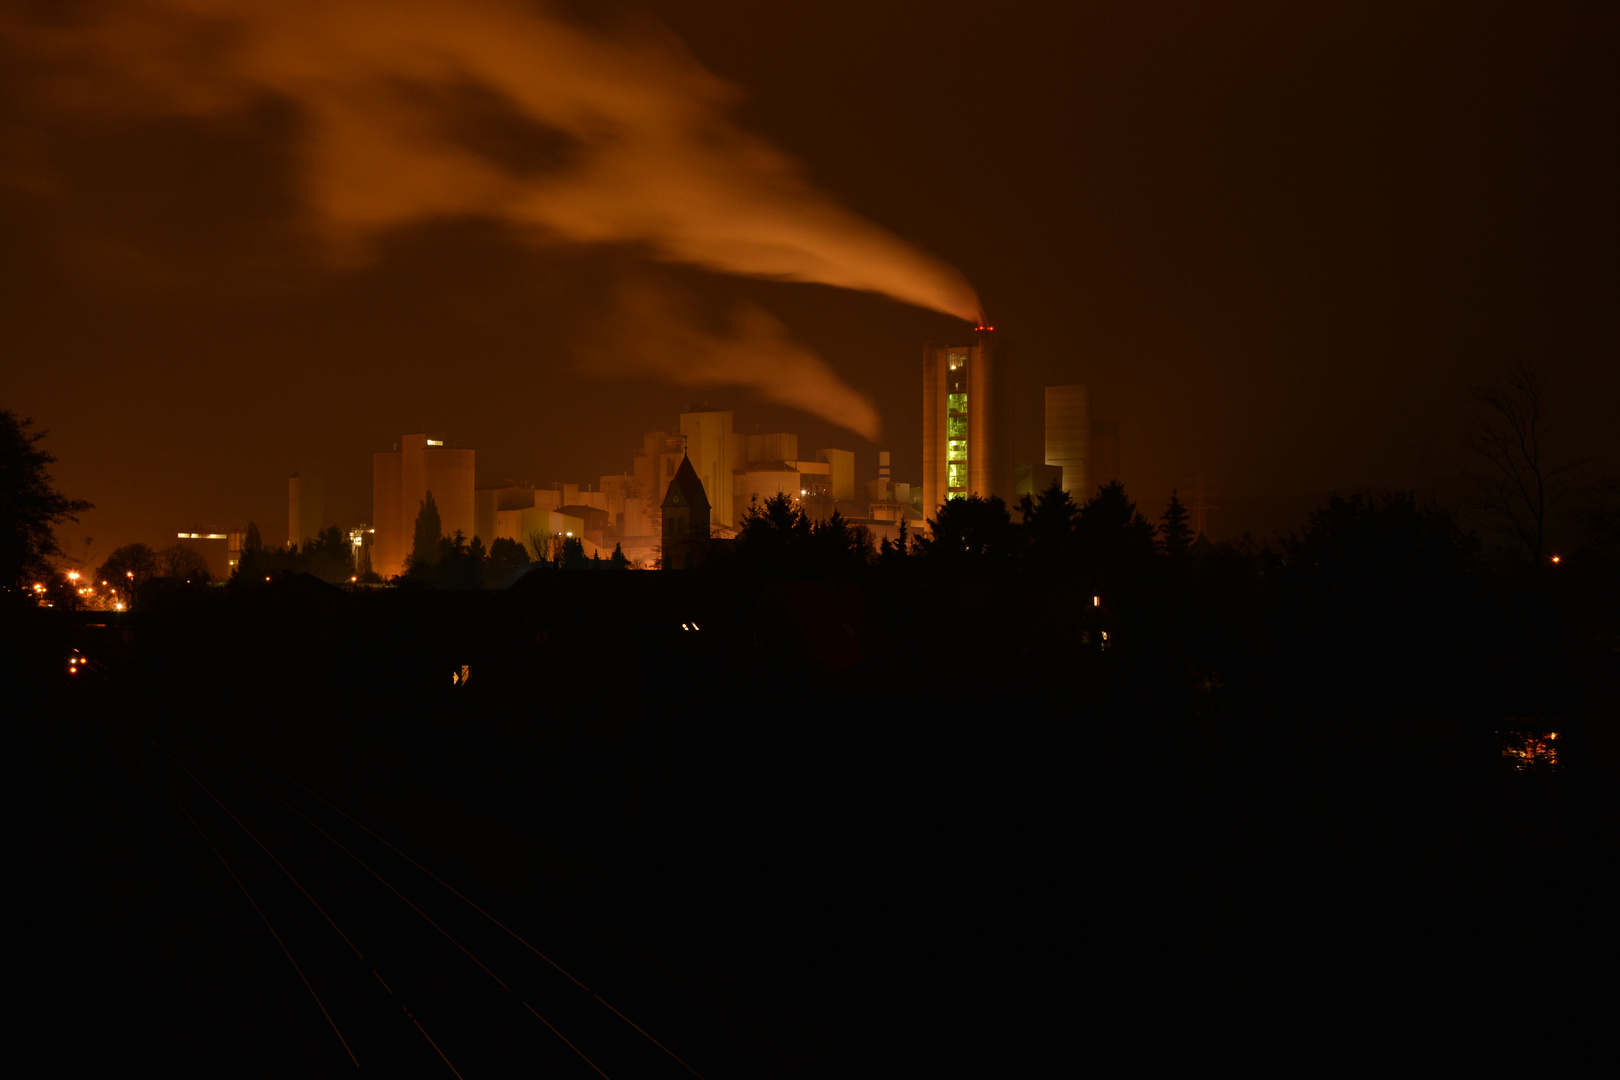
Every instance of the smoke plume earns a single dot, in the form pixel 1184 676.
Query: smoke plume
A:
pixel 413 109
pixel 647 332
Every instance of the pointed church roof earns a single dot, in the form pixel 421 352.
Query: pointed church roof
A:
pixel 685 489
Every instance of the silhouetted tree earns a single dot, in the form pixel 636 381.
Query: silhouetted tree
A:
pixel 426 540
pixel 773 533
pixel 1520 485
pixel 182 563
pixel 618 560
pixel 460 564
pixel 326 556
pixel 250 569
pixel 128 568
pixel 30 505
pixel 545 548
pixel 1110 531
pixel 1175 537
pixel 971 529
pixel 838 548
pixel 1380 590
pixel 572 556
pixel 1048 524
pixel 507 559
pixel 1380 551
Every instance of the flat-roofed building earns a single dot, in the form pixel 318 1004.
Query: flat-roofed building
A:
pixel 401 480
pixel 1068 437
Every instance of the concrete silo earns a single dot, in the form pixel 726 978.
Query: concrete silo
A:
pixel 1068 437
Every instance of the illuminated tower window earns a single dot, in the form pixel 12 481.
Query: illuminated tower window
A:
pixel 956 425
pixel 966 421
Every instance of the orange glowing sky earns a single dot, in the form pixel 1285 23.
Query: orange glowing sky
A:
pixel 1276 243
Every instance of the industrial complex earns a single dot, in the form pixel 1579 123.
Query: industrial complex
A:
pixel 968 406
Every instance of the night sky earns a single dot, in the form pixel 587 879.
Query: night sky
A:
pixel 1276 240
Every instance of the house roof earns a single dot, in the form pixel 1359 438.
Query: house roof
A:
pixel 685 489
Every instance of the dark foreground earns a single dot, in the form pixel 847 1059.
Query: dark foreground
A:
pixel 274 838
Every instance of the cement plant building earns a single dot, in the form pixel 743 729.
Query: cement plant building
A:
pixel 400 481
pixel 967 420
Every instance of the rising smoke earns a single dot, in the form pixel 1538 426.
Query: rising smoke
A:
pixel 648 333
pixel 414 109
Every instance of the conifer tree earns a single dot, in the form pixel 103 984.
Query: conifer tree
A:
pixel 427 540
pixel 1175 538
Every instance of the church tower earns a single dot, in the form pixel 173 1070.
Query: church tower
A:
pixel 686 519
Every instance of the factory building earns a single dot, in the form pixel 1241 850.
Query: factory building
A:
pixel 215 549
pixel 715 452
pixel 1032 479
pixel 733 471
pixel 1068 437
pixel 401 479
pixel 967 420
pixel 1084 447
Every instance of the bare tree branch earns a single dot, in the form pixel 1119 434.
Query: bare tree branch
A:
pixel 1519 489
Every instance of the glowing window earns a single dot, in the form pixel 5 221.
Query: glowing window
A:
pixel 957 475
pixel 957 359
pixel 956 403
pixel 956 450
pixel 956 427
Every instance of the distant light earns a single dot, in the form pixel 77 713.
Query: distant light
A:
pixel 435 442
pixel 1557 558
pixel 1096 601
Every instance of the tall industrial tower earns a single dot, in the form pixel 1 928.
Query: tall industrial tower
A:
pixel 400 481
pixel 1068 437
pixel 967 420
